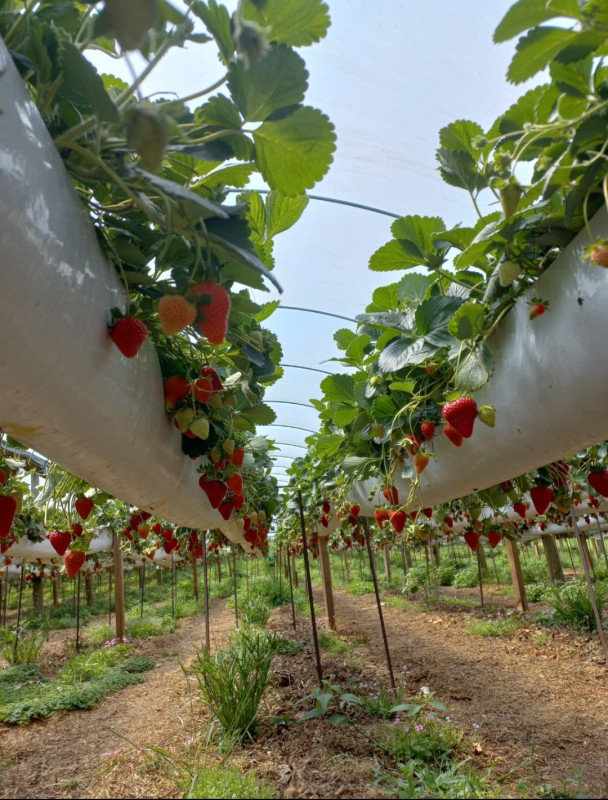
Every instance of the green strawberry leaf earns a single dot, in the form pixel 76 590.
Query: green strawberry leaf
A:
pixel 217 21
pixel 81 79
pixel 476 366
pixel 459 136
pixel 413 288
pixel 344 337
pixel 297 23
pixel 402 352
pixel 294 152
pixel 536 50
pixel 274 82
pixel 527 14
pixel 282 212
pixel 344 415
pixel 468 321
pixel 339 388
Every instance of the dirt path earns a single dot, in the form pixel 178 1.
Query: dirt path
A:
pixel 64 755
pixel 519 698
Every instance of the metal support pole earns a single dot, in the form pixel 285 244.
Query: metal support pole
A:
pixel 596 613
pixel 236 604
pixel 206 590
pixel 310 597
pixel 78 612
pixel 293 608
pixel 480 578
pixel 378 603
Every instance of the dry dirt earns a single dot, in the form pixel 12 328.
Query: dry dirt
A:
pixel 520 700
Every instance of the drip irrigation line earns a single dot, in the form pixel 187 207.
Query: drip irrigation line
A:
pixel 291 444
pixel 336 201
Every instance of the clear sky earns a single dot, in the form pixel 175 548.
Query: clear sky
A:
pixel 389 74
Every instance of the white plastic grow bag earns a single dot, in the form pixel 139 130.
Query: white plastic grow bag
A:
pixel 66 390
pixel 549 386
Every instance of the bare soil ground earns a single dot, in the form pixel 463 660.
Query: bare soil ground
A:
pixel 520 697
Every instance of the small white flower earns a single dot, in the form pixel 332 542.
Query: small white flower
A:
pixel 425 691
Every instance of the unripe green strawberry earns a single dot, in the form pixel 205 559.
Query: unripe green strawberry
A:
pixel 228 446
pixel 131 20
pixel 510 196
pixel 508 272
pixel 184 417
pixel 200 427
pixel 487 415
pixel 148 135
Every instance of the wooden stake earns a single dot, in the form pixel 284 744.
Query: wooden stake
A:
pixel 310 597
pixel 554 564
pixel 236 604
pixel 387 563
pixel 206 590
pixel 294 574
pixel 293 608
pixel 119 590
pixel 78 612
pixel 378 603
pixel 328 595
pixel 18 612
pixel 596 613
pixel 516 574
pixel 536 548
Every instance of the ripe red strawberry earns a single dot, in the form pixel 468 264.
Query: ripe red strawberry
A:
pixel 143 530
pixel 520 508
pixel 428 512
pixel 76 530
pixel 60 541
pixel 472 539
pixel 209 372
pixel 84 506
pixel 541 497
pixel 238 501
pixel 215 490
pixel 599 255
pixel 537 310
pixel 157 527
pixel 494 538
pixel 203 389
pixel 127 534
pixel 167 534
pixel 414 443
pixel 128 335
pixel 460 414
pixel 391 495
pixel 355 511
pixel 452 435
pixel 398 520
pixel 8 509
pixel 324 521
pixel 73 561
pixel 449 521
pixel 175 313
pixel 381 515
pixel 428 429
pixel 3 477
pixel 599 482
pixel 326 507
pixel 238 457
pixel 176 388
pixel 215 311
pixel 421 459
pixel 226 508
pixel 235 483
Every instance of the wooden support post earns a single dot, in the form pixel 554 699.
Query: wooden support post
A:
pixel 119 590
pixel 195 577
pixel 536 548
pixel 159 576
pixel 38 594
pixel 554 564
pixel 436 554
pixel 89 590
pixel 598 619
pixel 407 557
pixel 595 549
pixel 516 574
pixel 387 562
pixel 55 592
pixel 294 574
pixel 481 556
pixel 328 595
pixel 586 555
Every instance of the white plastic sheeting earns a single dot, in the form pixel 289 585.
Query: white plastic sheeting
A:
pixel 66 390
pixel 549 386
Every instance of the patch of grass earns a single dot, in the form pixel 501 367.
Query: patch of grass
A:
pixel 21 646
pixel 380 704
pixel 495 625
pixel 186 607
pixel 572 604
pixel 227 780
pixel 359 638
pixel 359 588
pixel 100 633
pixel 458 602
pixel 150 625
pixel 232 681
pixel 450 779
pixel 288 647
pixel 26 695
pixel 329 641
pixel 431 741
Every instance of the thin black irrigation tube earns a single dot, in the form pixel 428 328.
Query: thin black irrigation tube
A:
pixel 294 427
pixel 310 369
pixel 316 311
pixel 378 603
pixel 289 403
pixel 293 607
pixel 339 202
